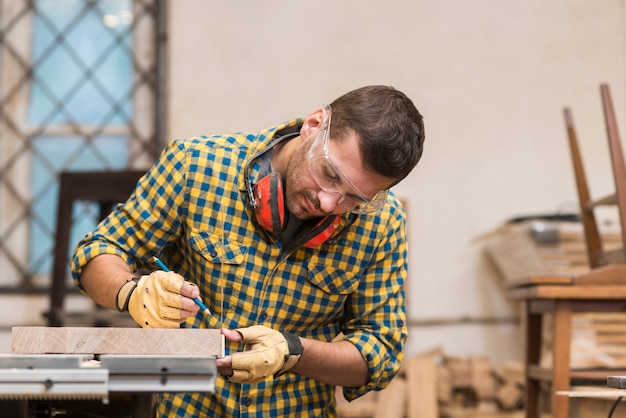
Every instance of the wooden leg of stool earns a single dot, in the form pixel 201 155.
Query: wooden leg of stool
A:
pixel 561 343
pixel 533 353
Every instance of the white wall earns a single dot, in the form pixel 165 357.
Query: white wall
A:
pixel 491 78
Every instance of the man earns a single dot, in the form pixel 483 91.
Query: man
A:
pixel 292 240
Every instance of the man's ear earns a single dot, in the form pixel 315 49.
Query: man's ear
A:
pixel 312 124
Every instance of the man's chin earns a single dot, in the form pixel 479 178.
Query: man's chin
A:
pixel 302 213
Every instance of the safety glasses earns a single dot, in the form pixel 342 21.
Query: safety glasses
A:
pixel 330 179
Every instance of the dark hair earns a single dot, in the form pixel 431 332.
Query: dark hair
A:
pixel 389 126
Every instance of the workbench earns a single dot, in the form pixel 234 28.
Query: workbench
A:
pixel 602 290
pixel 103 372
pixel 30 381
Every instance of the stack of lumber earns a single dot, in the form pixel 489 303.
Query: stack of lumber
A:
pixel 474 387
pixel 598 341
pixel 544 248
pixel 432 385
pixel 535 248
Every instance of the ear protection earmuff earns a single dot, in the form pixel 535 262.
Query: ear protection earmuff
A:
pixel 268 201
pixel 270 211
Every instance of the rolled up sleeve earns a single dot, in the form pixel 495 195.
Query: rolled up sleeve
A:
pixel 145 223
pixel 378 326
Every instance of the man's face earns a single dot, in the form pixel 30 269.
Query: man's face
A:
pixel 318 186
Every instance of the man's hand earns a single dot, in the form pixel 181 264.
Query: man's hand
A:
pixel 158 300
pixel 270 353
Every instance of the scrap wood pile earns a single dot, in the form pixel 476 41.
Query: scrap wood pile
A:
pixel 474 385
pixel 536 248
pixel 598 341
pixel 558 248
pixel 432 385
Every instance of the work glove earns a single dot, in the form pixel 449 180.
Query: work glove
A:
pixel 270 353
pixel 154 300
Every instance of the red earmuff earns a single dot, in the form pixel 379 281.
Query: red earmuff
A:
pixel 326 232
pixel 270 211
pixel 270 206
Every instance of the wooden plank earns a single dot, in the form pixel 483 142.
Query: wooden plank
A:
pixel 392 400
pixel 588 218
pixel 617 156
pixel 589 330
pixel 482 378
pixel 599 317
pixel 421 372
pixel 609 339
pixel 514 253
pixel 568 292
pixel 612 274
pixel 593 393
pixel 83 340
pixel 361 407
pixel 551 279
pixel 545 374
pixel 561 349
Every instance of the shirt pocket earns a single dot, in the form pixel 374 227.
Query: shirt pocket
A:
pixel 216 248
pixel 331 280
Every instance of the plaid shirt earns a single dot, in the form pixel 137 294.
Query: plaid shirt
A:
pixel 191 210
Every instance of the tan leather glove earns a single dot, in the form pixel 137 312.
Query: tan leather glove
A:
pixel 270 353
pixel 154 300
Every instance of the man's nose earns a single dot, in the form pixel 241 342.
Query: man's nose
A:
pixel 328 200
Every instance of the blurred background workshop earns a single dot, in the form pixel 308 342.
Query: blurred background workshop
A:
pixel 516 277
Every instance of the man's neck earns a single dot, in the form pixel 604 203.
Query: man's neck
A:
pixel 281 154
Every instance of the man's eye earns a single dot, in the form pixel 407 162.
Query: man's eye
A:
pixel 330 175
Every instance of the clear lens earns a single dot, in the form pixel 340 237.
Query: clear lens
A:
pixel 328 177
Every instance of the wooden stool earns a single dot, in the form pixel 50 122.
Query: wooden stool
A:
pixel 602 290
pixel 105 188
pixel 596 254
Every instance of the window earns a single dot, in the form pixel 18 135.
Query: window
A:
pixel 79 90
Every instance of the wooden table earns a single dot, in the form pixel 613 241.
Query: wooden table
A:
pixel 601 290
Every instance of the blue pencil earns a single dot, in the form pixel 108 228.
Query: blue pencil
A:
pixel 197 300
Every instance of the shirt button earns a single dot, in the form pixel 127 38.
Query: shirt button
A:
pixel 332 287
pixel 263 316
pixel 213 253
pixel 247 402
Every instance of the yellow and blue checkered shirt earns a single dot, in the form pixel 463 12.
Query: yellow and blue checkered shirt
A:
pixel 191 209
